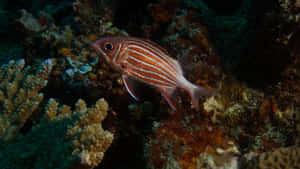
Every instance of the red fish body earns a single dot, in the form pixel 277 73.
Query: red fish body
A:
pixel 147 62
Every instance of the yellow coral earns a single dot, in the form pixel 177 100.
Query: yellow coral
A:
pixel 19 94
pixel 89 139
pixel 51 109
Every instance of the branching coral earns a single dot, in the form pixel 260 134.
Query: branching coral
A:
pixel 63 139
pixel 19 95
pixel 89 139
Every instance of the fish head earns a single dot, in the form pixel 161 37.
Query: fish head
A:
pixel 107 47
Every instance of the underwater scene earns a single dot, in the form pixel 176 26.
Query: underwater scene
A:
pixel 150 84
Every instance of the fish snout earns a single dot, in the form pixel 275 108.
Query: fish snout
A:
pixel 93 45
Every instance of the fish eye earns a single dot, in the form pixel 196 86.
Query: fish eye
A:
pixel 108 46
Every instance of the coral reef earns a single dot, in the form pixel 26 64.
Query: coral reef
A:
pixel 20 95
pixel 224 107
pixel 63 139
pixel 89 140
pixel 280 158
pixel 247 50
pixel 238 106
pixel 189 143
pixel 257 120
pixel 77 64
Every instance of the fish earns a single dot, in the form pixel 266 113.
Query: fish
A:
pixel 142 60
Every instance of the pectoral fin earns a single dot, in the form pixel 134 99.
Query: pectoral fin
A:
pixel 129 84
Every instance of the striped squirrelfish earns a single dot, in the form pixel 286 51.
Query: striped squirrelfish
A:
pixel 145 61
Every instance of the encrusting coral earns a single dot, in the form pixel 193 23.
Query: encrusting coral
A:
pixel 189 143
pixel 288 157
pixel 19 94
pixel 280 158
pixel 225 109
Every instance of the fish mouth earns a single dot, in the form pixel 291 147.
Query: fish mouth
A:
pixel 95 46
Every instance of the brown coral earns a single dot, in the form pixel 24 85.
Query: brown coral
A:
pixel 19 94
pixel 280 158
pixel 182 142
pixel 234 103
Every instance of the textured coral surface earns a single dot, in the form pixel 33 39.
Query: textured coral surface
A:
pixel 248 51
pixel 19 95
pixel 75 137
pixel 62 139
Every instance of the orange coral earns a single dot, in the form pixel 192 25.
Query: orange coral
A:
pixel 187 143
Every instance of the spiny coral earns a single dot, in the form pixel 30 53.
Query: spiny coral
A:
pixel 19 94
pixel 63 139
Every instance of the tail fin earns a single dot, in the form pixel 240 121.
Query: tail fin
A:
pixel 197 91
